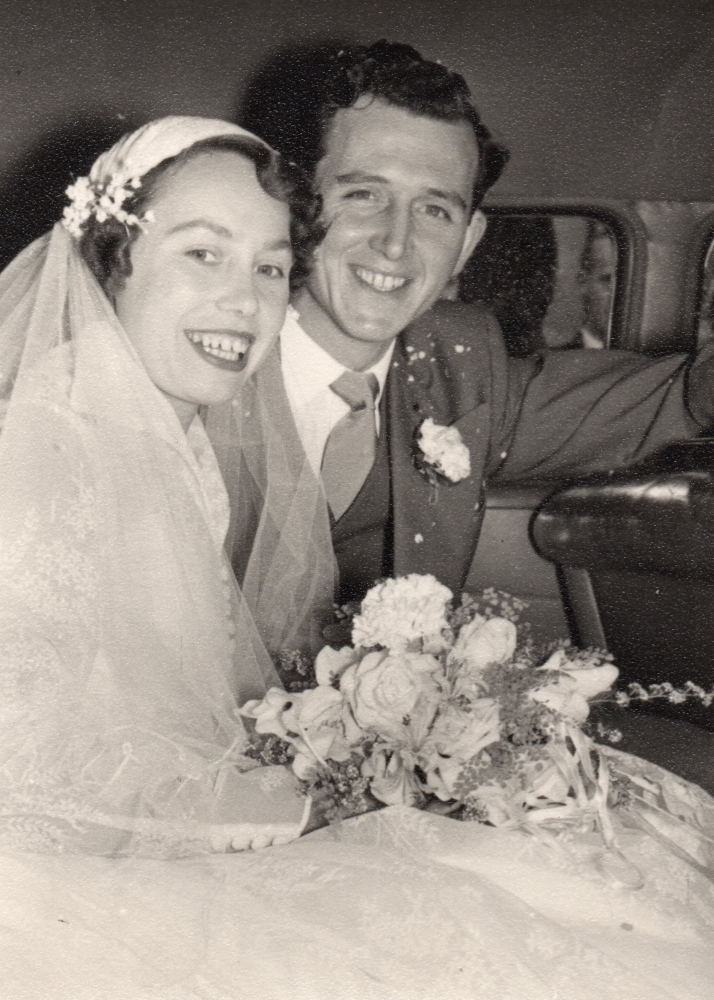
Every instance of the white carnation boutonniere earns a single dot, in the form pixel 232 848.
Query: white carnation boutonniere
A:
pixel 441 453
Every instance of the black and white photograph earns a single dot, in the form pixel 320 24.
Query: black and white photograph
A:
pixel 357 500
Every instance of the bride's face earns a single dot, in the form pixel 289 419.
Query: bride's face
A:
pixel 210 280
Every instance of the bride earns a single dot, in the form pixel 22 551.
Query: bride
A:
pixel 127 801
pixel 126 645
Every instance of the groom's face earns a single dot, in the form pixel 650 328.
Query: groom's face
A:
pixel 396 191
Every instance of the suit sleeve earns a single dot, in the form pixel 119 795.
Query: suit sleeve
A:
pixel 574 412
pixel 564 413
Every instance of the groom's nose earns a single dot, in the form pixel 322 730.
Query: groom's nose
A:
pixel 393 232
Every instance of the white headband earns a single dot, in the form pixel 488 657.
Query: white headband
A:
pixel 117 173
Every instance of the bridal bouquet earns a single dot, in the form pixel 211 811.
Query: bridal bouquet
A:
pixel 446 709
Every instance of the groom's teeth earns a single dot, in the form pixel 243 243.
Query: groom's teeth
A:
pixel 380 282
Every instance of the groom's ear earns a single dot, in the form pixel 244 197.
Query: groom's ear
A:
pixel 473 236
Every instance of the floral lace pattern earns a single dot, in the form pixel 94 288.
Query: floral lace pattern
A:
pixel 103 624
pixel 395 905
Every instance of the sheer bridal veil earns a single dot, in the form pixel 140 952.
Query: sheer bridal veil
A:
pixel 125 644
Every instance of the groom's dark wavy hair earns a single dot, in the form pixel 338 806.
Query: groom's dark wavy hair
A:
pixel 291 103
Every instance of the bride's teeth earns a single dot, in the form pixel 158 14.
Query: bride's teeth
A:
pixel 221 345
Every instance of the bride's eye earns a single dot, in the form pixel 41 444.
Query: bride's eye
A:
pixel 202 255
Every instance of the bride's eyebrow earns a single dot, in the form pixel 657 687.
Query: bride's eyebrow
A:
pixel 201 224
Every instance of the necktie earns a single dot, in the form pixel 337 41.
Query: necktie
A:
pixel 352 444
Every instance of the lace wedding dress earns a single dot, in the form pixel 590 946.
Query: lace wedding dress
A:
pixel 125 645
pixel 125 649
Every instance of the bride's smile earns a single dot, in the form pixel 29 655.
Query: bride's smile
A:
pixel 209 283
pixel 223 348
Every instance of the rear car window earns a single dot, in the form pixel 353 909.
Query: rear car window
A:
pixel 549 278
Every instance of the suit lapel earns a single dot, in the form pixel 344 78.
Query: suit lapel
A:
pixel 435 529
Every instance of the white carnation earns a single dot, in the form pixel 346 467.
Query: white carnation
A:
pixel 408 613
pixel 444 449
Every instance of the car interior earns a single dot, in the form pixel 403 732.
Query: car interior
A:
pixel 620 560
pixel 600 234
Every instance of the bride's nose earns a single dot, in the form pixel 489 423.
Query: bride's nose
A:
pixel 238 294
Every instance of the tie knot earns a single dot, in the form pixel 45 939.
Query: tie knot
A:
pixel 358 389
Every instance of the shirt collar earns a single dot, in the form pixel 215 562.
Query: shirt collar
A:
pixel 308 369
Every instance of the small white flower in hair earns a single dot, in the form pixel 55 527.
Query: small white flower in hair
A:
pixel 102 199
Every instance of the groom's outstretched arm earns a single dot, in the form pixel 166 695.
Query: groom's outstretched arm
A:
pixel 566 413
pixel 584 411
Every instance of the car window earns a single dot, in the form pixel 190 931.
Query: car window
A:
pixel 549 279
pixel 705 311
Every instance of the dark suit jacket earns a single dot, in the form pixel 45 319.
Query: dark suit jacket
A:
pixel 565 413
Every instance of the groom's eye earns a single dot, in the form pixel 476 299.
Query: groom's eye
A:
pixel 438 212
pixel 271 271
pixel 359 194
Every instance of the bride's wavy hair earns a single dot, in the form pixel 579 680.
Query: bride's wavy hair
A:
pixel 106 246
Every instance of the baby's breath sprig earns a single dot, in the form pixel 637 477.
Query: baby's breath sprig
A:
pixel 268 749
pixel 605 733
pixel 340 790
pixel 498 604
pixel 296 670
pixel 666 691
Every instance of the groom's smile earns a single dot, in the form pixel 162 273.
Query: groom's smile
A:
pixel 396 190
pixel 379 281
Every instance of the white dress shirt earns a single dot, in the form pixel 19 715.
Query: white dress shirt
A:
pixel 308 372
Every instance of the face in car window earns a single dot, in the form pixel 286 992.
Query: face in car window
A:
pixel 549 279
pixel 597 277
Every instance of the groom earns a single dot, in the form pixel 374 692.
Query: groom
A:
pixel 402 160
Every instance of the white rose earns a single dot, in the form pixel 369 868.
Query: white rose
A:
pixel 455 738
pixel 383 689
pixel 484 641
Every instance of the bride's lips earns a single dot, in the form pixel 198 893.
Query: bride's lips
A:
pixel 224 348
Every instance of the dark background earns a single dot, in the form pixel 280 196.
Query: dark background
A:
pixel 604 97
